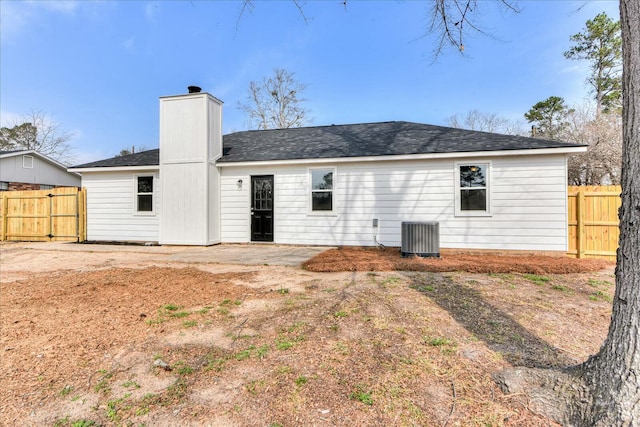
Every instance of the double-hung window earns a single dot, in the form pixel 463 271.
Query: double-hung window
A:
pixel 322 190
pixel 472 189
pixel 144 194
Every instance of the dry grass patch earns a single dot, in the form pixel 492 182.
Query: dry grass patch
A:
pixel 181 346
pixel 390 259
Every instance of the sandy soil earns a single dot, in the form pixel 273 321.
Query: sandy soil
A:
pixel 118 338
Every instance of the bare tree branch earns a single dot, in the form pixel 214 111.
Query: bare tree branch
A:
pixel 276 102
pixel 301 10
pixel 485 122
pixel 38 131
pixel 247 5
pixel 451 21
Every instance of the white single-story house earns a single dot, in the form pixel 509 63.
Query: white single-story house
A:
pixel 329 185
pixel 31 170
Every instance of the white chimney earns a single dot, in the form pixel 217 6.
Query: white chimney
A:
pixel 190 143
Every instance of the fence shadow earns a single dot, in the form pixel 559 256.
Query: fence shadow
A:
pixel 499 331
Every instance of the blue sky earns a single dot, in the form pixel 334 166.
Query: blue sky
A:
pixel 98 67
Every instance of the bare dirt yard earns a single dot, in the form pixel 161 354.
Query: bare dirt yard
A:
pixel 131 338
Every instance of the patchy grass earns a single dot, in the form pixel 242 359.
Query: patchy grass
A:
pixel 438 342
pixel 361 395
pixel 301 380
pixel 66 390
pixel 600 296
pixel 401 348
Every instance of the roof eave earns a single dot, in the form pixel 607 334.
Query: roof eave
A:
pixel 37 154
pixel 115 169
pixel 428 156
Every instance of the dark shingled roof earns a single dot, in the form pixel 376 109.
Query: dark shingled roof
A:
pixel 357 140
pixel 143 158
pixel 369 139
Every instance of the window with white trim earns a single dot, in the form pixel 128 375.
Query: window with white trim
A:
pixel 144 194
pixel 472 189
pixel 322 190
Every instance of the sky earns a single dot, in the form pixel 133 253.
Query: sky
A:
pixel 99 67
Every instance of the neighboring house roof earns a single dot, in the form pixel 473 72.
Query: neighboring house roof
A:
pixel 13 153
pixel 340 141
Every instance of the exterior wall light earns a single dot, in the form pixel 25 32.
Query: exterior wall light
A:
pixel 239 184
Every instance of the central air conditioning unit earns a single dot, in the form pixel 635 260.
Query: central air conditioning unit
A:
pixel 420 239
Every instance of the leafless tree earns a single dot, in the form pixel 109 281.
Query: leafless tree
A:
pixel 601 164
pixel 40 132
pixel 485 122
pixel 132 150
pixel 276 102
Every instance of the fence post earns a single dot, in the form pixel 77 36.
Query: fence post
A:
pixel 3 217
pixel 82 214
pixel 580 202
pixel 50 233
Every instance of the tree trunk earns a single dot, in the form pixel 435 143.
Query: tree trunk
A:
pixel 615 370
pixel 605 390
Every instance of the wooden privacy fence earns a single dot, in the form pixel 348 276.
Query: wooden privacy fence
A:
pixel 57 214
pixel 593 221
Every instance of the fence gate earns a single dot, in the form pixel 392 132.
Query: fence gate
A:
pixel 593 221
pixel 57 214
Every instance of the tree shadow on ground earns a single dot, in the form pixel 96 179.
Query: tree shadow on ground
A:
pixel 488 323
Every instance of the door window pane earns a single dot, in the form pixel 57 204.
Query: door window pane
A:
pixel 263 194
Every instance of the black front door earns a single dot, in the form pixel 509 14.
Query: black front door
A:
pixel 262 208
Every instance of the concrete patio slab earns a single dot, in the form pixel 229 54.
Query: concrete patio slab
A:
pixel 242 254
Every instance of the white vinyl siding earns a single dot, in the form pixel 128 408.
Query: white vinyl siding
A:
pixel 185 209
pixel 111 211
pixel 528 204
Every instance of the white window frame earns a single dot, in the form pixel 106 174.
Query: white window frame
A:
pixel 310 191
pixel 458 188
pixel 152 212
pixel 27 162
